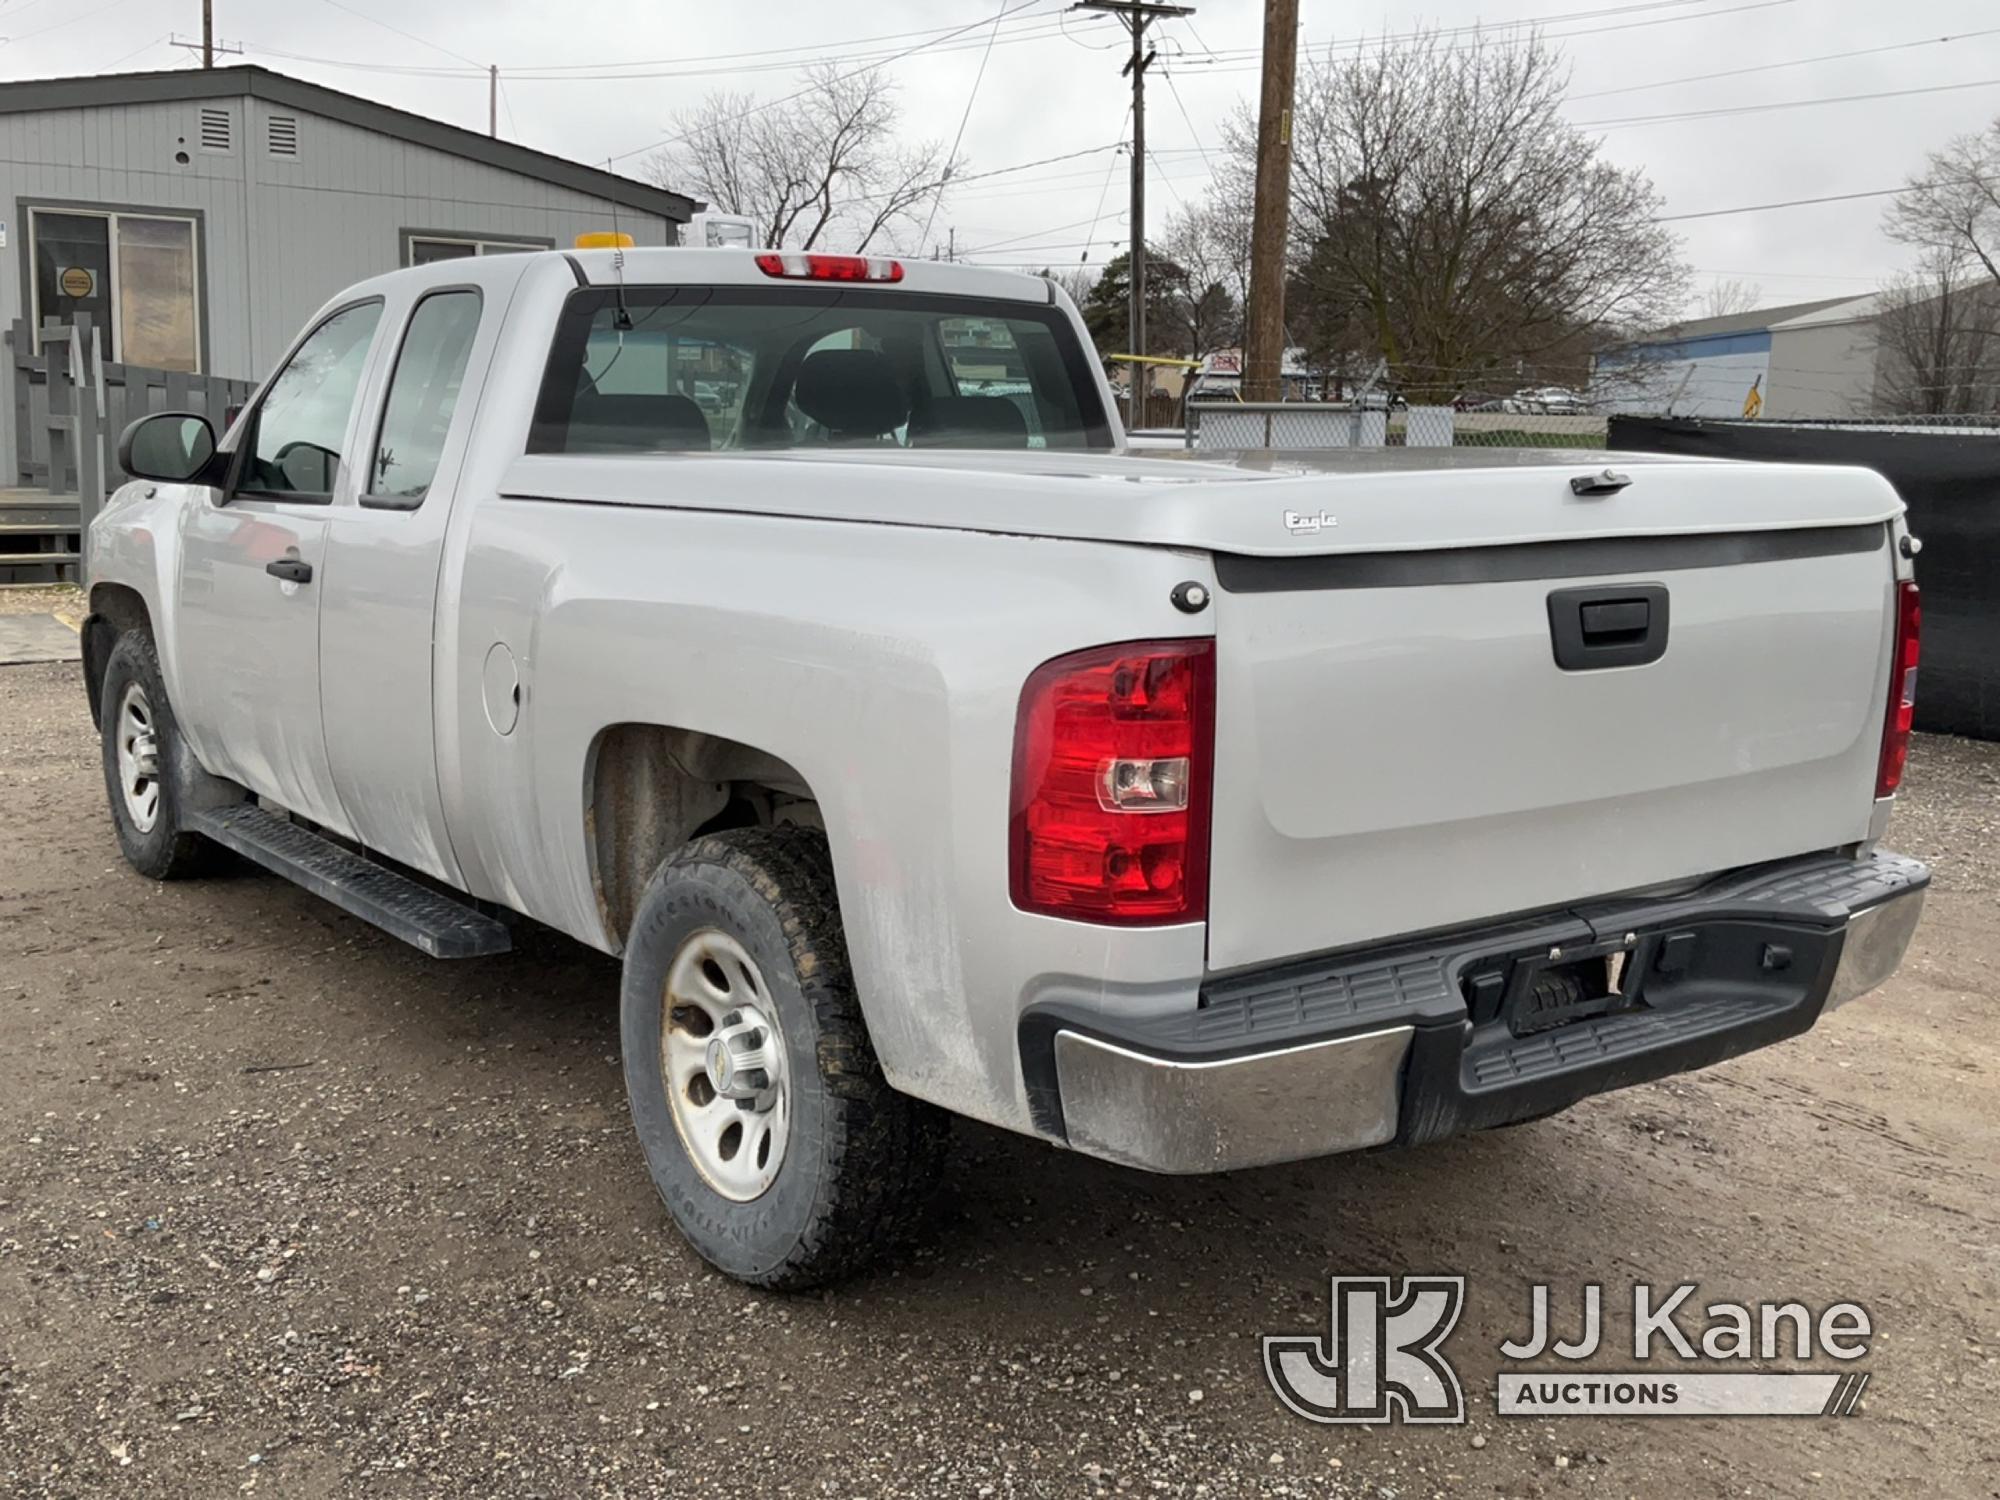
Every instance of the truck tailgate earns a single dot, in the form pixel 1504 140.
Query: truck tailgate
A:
pixel 1398 748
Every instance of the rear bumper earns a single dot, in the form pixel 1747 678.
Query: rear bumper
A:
pixel 1410 1043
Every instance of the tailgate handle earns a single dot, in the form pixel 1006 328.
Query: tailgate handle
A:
pixel 1616 621
pixel 1624 625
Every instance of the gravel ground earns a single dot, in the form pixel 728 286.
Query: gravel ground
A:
pixel 64 600
pixel 286 1208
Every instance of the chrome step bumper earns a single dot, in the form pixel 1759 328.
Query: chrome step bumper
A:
pixel 1406 1044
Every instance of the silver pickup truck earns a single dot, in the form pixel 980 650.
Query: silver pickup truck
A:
pixel 800 629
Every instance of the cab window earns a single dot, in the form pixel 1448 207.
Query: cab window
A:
pixel 650 369
pixel 423 394
pixel 294 451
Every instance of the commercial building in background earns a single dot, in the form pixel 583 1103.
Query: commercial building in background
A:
pixel 1802 360
pixel 199 216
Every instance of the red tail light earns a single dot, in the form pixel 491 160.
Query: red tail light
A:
pixel 800 267
pixel 1902 691
pixel 1113 754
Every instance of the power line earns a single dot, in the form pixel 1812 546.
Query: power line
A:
pixel 1174 89
pixel 67 21
pixel 1239 54
pixel 1364 43
pixel 508 104
pixel 672 140
pixel 143 47
pixel 1033 28
pixel 1796 62
pixel 1000 171
pixel 951 156
pixel 1732 111
pixel 1758 208
pixel 1102 193
pixel 1011 243
pixel 1786 275
pixel 408 36
pixel 817 49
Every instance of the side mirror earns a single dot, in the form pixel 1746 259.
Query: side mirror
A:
pixel 172 446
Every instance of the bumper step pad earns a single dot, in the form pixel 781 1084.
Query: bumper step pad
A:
pixel 439 924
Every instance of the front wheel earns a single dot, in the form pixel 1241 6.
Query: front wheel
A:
pixel 782 1154
pixel 142 749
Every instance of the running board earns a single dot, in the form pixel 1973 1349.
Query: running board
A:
pixel 441 925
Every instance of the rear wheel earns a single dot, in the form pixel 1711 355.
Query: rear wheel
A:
pixel 782 1154
pixel 142 751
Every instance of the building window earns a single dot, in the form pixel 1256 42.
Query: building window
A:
pixel 422 249
pixel 137 275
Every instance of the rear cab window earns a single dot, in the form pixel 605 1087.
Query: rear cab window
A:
pixel 720 369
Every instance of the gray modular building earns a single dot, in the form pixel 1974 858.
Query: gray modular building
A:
pixel 199 216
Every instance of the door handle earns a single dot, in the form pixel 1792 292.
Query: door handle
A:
pixel 290 569
pixel 1623 625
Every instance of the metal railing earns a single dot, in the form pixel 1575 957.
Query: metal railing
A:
pixel 71 405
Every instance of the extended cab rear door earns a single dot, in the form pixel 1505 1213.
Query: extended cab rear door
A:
pixel 384 548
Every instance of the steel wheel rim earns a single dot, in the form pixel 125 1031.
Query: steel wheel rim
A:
pixel 722 1062
pixel 138 757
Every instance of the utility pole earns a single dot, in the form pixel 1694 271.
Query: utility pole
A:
pixel 1264 352
pixel 208 33
pixel 493 100
pixel 206 46
pixel 1137 16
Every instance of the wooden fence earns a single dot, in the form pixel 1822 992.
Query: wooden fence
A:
pixel 71 405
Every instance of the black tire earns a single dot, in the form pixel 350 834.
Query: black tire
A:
pixel 860 1157
pixel 165 850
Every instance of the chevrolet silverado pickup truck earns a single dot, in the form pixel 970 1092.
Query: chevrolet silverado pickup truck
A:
pixel 800 629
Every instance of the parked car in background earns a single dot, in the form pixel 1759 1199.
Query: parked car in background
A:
pixel 1553 400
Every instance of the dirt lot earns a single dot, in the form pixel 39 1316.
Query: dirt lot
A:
pixel 286 1208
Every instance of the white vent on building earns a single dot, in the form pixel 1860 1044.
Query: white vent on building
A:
pixel 215 130
pixel 282 135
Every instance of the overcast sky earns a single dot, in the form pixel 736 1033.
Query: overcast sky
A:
pixel 1047 92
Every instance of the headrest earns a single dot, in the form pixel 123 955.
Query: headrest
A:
pixel 970 422
pixel 638 423
pixel 851 393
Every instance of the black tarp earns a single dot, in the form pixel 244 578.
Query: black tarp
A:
pixel 1951 483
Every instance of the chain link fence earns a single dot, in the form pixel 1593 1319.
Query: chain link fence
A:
pixel 1306 426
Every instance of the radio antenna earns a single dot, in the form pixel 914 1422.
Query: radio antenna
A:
pixel 624 319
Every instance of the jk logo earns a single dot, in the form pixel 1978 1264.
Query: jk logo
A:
pixel 1380 1362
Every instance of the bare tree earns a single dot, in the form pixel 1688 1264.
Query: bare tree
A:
pixel 1444 208
pixel 1954 202
pixel 823 170
pixel 1726 299
pixel 1207 253
pixel 1937 337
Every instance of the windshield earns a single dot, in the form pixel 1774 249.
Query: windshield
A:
pixel 711 369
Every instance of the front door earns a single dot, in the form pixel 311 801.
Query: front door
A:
pixel 252 568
